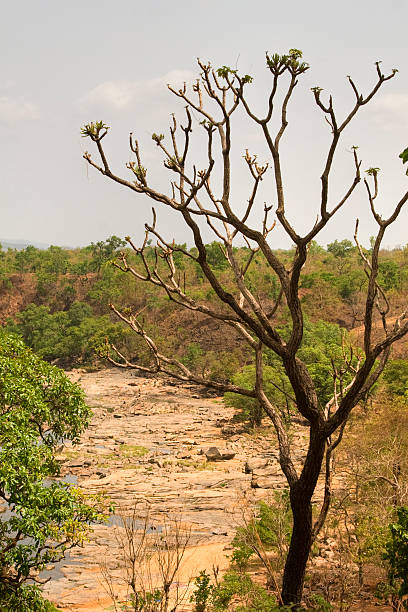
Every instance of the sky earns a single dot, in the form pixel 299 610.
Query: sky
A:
pixel 68 63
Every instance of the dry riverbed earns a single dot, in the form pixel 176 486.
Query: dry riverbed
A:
pixel 147 442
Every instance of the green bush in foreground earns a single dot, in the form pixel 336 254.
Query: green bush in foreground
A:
pixel 25 599
pixel 41 518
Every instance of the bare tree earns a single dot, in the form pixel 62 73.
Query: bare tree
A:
pixel 151 554
pixel 204 195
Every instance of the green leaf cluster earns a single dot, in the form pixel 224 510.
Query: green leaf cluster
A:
pixel 278 64
pixel 41 517
pixel 225 71
pixel 203 592
pixel 397 552
pixel 24 599
pixel 93 129
pixel 69 336
pixel 237 588
pixel 157 138
pixel 272 527
pixel 396 378
pixel 404 157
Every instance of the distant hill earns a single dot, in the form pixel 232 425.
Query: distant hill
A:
pixel 21 244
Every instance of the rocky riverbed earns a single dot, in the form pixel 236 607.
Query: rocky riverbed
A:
pixel 173 447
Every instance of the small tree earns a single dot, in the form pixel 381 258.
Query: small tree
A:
pixel 40 518
pixel 203 196
pixel 103 251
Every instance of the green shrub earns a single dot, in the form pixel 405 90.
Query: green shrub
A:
pixel 23 599
pixel 271 529
pixel 203 594
pixel 396 378
pixel 71 336
pixel 397 553
pixel 39 407
pixel 246 594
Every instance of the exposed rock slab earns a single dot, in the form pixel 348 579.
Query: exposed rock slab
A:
pixel 149 441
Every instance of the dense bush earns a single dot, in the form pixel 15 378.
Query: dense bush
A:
pixel 397 553
pixel 41 517
pixel 396 378
pixel 69 336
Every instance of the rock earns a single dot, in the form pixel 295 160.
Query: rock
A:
pixel 169 485
pixel 183 455
pixel 155 461
pixel 264 482
pixel 227 455
pixel 101 472
pixel 221 422
pixel 213 454
pixel 232 430
pixel 272 471
pixel 256 463
pixel 219 531
pixel 259 466
pixel 74 464
pixel 117 416
pixel 103 436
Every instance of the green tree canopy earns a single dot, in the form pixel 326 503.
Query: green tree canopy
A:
pixel 40 517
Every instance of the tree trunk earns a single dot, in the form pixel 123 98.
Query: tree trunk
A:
pixel 301 494
pixel 299 550
pixel 256 420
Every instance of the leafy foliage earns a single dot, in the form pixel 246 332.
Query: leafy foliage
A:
pixel 404 157
pixel 42 517
pixel 24 599
pixel 396 378
pixel 68 336
pixel 333 282
pixel 270 528
pixel 93 129
pixel 340 248
pixel 104 250
pixel 397 552
pixel 246 594
pixel 203 593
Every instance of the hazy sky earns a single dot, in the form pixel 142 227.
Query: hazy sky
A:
pixel 67 63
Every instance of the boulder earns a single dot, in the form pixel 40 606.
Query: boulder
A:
pixel 227 455
pixel 75 464
pixel 269 470
pixel 263 482
pixel 101 473
pixel 214 454
pixel 219 531
pixel 254 464
pixel 183 455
